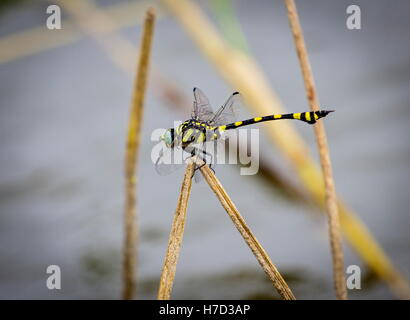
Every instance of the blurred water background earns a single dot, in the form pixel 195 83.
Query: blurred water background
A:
pixel 63 121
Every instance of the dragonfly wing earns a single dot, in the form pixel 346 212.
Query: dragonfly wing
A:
pixel 202 109
pixel 198 176
pixel 167 162
pixel 227 113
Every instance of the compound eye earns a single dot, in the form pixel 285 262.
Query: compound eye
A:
pixel 168 138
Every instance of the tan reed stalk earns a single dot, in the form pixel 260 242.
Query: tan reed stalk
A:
pixel 133 142
pixel 255 246
pixel 243 73
pixel 175 236
pixel 321 140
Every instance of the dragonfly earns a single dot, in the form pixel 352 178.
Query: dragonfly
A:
pixel 208 126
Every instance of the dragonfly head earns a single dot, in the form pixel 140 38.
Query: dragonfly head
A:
pixel 168 137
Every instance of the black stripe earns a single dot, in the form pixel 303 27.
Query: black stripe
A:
pixel 248 122
pixel 172 134
pixel 267 118
pixel 287 116
pixel 303 116
pixel 312 117
pixel 323 113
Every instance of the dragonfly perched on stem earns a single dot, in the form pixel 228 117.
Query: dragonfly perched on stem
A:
pixel 208 126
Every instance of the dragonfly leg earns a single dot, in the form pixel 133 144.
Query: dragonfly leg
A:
pixel 194 152
pixel 205 162
pixel 210 162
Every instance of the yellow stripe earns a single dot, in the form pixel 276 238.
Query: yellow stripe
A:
pixel 307 116
pixel 257 119
pixel 201 137
pixel 277 116
pixel 296 116
pixel 187 135
pixel 222 128
pixel 238 123
pixel 316 116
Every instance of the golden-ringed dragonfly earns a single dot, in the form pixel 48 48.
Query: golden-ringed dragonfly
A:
pixel 206 125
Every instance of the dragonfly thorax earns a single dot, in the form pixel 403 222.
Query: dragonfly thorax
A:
pixel 190 132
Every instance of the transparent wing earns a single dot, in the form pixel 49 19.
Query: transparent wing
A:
pixel 198 176
pixel 202 109
pixel 226 113
pixel 168 161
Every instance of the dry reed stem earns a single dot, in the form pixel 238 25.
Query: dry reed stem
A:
pixel 321 140
pixel 175 237
pixel 256 248
pixel 244 75
pixel 133 142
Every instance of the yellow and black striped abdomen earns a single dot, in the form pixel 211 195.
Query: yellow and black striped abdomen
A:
pixel 192 131
pixel 309 117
